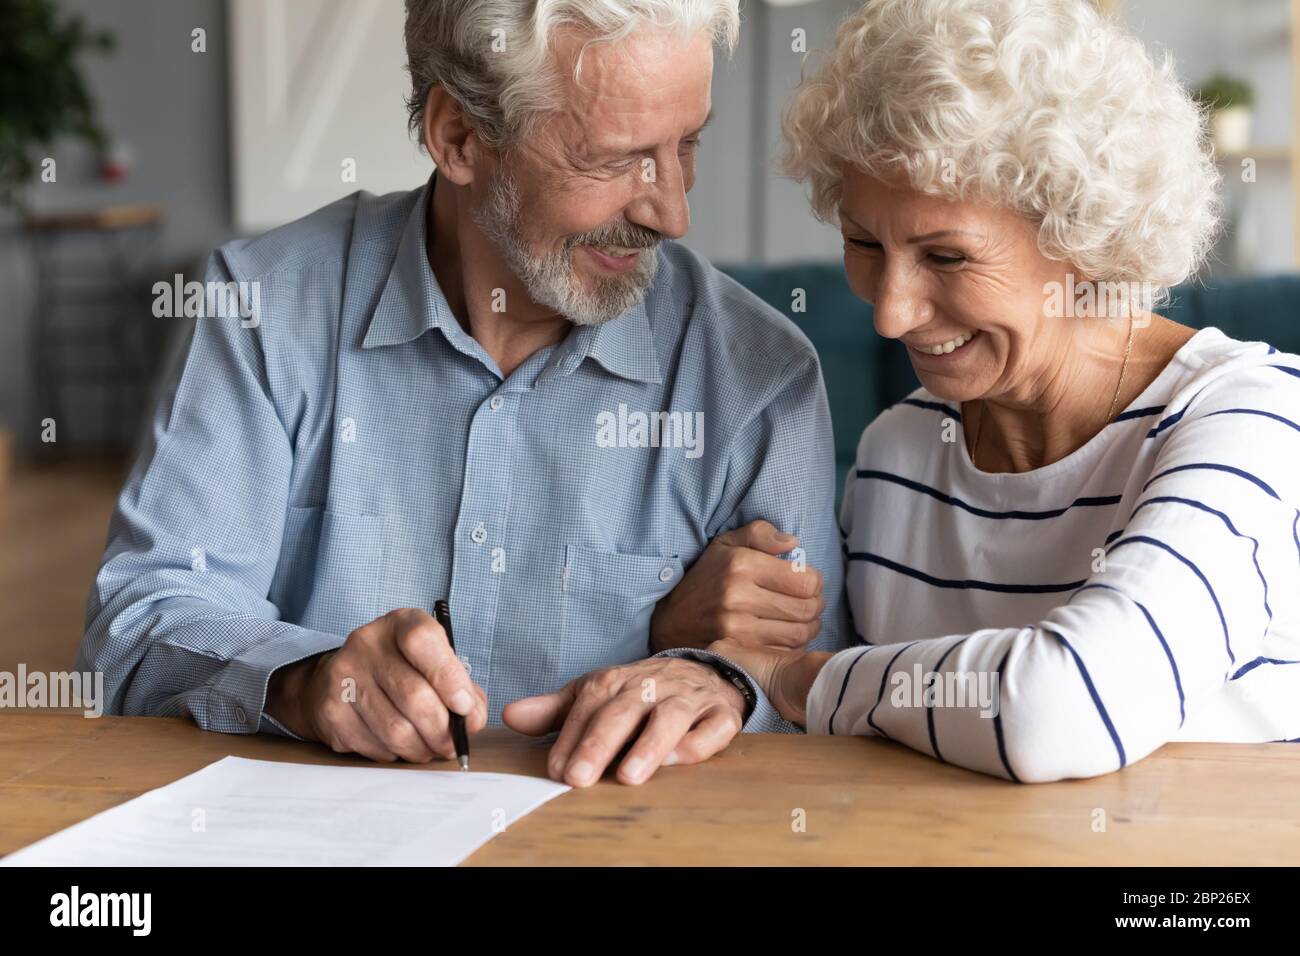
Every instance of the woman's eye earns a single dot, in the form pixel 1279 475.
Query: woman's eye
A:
pixel 943 260
pixel 865 243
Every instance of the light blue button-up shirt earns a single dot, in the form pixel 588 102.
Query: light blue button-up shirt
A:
pixel 350 449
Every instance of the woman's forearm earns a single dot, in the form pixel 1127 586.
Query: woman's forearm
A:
pixel 795 682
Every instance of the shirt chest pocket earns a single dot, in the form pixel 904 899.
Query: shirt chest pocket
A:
pixel 609 597
pixel 330 569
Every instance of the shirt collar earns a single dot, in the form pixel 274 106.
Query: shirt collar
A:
pixel 412 303
pixel 624 345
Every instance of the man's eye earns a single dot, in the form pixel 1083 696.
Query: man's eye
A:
pixel 691 143
pixel 865 244
pixel 943 260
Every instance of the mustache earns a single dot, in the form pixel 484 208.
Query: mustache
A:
pixel 626 235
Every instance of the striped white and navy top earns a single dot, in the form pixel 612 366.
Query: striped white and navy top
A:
pixel 1145 588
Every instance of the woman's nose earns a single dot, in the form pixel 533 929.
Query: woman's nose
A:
pixel 900 308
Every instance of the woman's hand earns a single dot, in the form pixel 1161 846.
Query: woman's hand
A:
pixel 739 590
pixel 786 676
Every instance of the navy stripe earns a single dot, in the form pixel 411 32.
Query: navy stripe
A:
pixel 1177 416
pixel 1254 411
pixel 1247 668
pixel 1144 539
pixel 1138 413
pixel 884 678
pixel 997 724
pixel 963 585
pixel 1271 350
pixel 830 724
pixel 1096 698
pixel 1288 369
pixel 934 406
pixel 1231 527
pixel 929 711
pixel 1295 531
pixel 1173 664
pixel 1113 535
pixel 947 499
pixel 1211 466
pixel 1171 420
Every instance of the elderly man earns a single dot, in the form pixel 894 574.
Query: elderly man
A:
pixel 509 388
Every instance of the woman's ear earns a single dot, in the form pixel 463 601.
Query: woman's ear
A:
pixel 449 138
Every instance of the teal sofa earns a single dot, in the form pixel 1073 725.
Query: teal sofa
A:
pixel 865 374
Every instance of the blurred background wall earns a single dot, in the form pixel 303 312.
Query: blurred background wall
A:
pixel 200 138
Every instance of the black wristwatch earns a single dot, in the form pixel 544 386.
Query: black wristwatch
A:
pixel 732 676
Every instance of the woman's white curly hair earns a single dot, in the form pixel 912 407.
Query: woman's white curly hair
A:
pixel 1041 106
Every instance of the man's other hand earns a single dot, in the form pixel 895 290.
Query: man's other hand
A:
pixel 670 710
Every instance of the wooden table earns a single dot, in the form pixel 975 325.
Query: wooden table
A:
pixel 865 801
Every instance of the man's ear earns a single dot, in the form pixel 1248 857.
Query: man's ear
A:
pixel 450 139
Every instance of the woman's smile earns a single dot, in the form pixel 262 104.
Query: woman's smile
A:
pixel 943 350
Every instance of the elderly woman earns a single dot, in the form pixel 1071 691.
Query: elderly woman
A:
pixel 1079 539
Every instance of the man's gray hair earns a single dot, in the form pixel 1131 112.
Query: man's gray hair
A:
pixel 493 56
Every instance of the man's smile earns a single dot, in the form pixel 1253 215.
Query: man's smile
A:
pixel 613 258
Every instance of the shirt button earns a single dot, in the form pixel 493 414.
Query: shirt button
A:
pixel 240 715
pixel 496 403
pixel 666 575
pixel 479 534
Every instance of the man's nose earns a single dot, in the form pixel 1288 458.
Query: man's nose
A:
pixel 661 204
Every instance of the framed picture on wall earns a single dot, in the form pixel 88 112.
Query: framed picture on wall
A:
pixel 317 106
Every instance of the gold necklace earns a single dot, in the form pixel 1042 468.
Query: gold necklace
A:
pixel 1110 414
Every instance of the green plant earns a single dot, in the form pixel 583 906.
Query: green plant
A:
pixel 1221 91
pixel 42 92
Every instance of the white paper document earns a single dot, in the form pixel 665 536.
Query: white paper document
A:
pixel 240 812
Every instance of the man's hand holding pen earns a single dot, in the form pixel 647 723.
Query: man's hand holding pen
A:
pixel 386 694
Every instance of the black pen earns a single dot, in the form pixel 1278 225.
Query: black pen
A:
pixel 459 739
